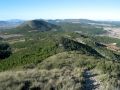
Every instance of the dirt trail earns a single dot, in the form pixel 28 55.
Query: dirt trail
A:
pixel 90 81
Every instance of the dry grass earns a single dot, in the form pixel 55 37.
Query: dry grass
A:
pixel 62 71
pixel 34 79
pixel 107 82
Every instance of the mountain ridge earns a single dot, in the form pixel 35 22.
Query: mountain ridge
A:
pixel 39 25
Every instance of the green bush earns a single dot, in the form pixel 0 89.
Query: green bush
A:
pixel 5 50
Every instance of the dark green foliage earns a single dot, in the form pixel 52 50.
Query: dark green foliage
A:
pixel 69 44
pixel 5 50
pixel 1 38
pixel 99 44
pixel 26 86
pixel 42 45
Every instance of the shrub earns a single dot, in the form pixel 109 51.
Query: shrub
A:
pixel 5 50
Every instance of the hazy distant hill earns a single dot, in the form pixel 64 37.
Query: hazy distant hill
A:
pixel 10 23
pixel 86 22
pixel 71 21
pixel 40 25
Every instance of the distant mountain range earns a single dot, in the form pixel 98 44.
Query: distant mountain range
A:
pixel 39 25
pixel 10 23
pixel 34 24
pixel 85 21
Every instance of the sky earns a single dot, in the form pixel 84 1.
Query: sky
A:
pixel 60 9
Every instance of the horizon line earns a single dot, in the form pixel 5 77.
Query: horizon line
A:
pixel 60 19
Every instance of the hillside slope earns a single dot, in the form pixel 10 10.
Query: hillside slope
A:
pixel 39 25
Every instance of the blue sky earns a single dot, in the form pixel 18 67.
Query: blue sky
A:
pixel 60 9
